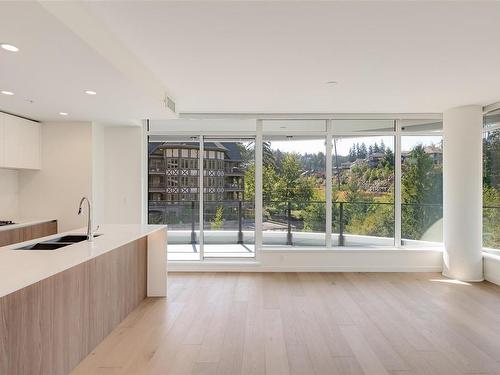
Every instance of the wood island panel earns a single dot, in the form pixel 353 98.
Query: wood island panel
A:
pixel 50 326
pixel 30 232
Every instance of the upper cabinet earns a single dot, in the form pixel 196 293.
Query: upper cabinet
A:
pixel 20 143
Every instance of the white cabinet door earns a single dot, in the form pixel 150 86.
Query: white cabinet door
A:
pixel 30 139
pixel 20 143
pixel 12 142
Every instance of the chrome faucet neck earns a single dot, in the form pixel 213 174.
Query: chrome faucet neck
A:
pixel 90 234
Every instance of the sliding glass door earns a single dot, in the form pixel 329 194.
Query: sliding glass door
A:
pixel 228 198
pixel 209 216
pixel 173 193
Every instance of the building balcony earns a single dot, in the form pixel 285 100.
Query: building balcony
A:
pixel 155 170
pixel 233 187
pixel 234 172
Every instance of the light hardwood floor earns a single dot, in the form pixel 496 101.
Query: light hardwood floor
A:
pixel 307 323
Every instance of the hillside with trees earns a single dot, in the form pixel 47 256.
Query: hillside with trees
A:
pixel 363 181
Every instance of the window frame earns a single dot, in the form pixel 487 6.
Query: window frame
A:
pixel 329 134
pixel 485 130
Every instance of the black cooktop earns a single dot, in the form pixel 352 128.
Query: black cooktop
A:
pixel 6 222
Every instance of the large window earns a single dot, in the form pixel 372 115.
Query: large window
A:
pixel 294 180
pixel 421 183
pixel 363 191
pixel 323 184
pixel 491 181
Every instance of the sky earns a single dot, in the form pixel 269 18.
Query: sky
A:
pixel 343 145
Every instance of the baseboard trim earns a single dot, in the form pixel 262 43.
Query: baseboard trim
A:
pixel 255 267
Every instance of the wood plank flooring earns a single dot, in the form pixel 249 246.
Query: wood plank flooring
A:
pixel 307 323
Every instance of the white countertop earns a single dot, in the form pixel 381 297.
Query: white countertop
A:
pixel 21 268
pixel 20 223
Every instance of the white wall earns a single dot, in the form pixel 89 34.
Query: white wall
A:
pixel 9 194
pixel 348 260
pixel 492 267
pixel 118 175
pixel 462 193
pixel 98 173
pixel 66 175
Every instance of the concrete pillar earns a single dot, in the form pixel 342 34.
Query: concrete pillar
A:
pixel 462 193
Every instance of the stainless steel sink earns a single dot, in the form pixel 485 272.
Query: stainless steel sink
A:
pixel 56 243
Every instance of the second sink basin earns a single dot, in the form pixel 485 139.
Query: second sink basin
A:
pixel 71 238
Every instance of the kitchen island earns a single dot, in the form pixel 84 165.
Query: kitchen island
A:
pixel 57 305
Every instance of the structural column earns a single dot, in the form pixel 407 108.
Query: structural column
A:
pixel 462 193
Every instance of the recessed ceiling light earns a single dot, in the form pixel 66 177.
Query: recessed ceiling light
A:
pixel 9 47
pixel 63 113
pixel 90 92
pixel 7 92
pixel 331 82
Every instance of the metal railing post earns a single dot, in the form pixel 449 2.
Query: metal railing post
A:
pixel 289 239
pixel 240 224
pixel 341 224
pixel 193 234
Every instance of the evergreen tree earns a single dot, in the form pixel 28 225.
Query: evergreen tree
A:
pixel 388 160
pixel 352 154
pixel 363 153
pixel 421 186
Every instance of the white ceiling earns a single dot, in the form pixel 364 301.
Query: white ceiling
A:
pixel 55 66
pixel 258 57
pixel 277 56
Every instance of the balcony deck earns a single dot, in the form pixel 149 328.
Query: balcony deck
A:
pixel 192 252
pixel 223 244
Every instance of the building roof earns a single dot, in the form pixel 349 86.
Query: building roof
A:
pixel 231 149
pixel 433 150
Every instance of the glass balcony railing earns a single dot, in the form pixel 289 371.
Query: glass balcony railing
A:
pixel 295 223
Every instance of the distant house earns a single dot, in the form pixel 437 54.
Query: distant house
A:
pixel 357 163
pixel 436 154
pixel 345 165
pixel 374 159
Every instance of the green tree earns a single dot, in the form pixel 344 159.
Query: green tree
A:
pixel 268 182
pixel 218 219
pixel 291 184
pixel 421 185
